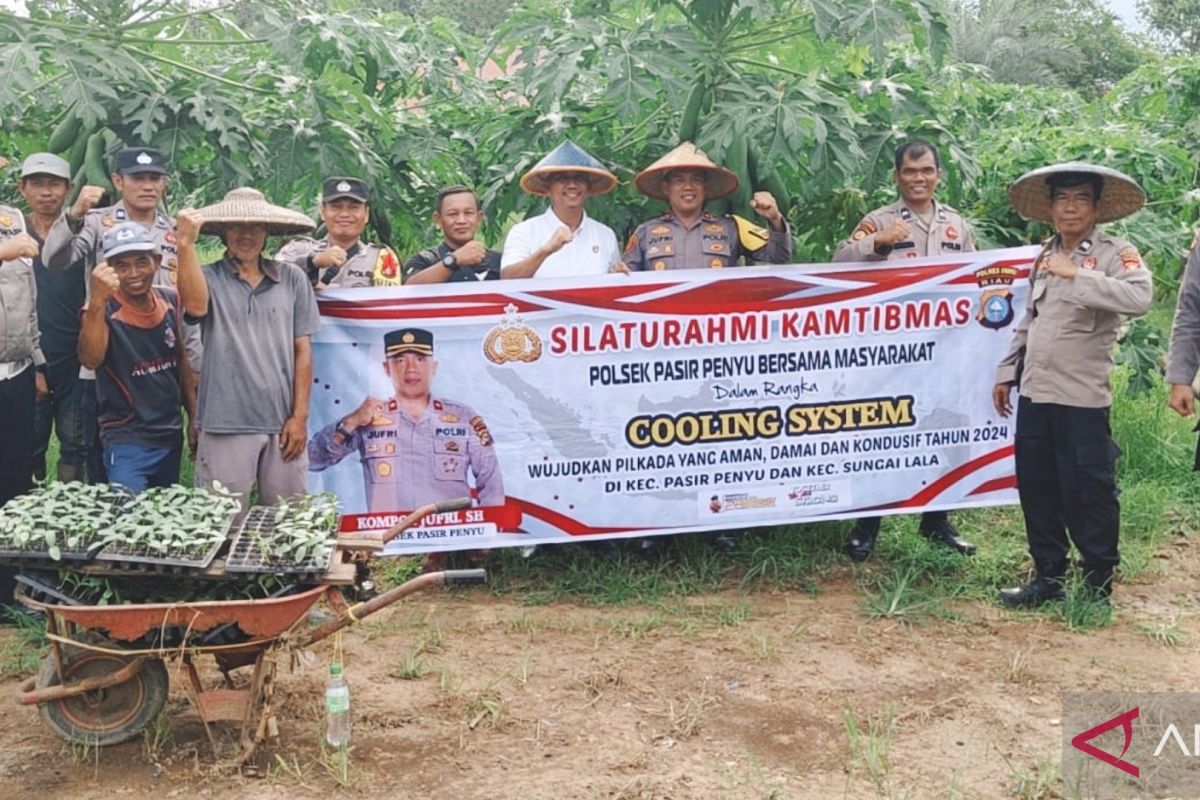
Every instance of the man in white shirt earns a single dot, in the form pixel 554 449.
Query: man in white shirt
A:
pixel 565 240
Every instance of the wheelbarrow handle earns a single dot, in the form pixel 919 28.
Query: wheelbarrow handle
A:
pixel 420 583
pixel 408 521
pixel 464 577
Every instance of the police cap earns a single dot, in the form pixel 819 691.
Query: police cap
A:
pixel 337 188
pixel 408 340
pixel 132 160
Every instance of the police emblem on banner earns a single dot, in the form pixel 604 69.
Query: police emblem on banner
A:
pixel 995 303
pixel 512 340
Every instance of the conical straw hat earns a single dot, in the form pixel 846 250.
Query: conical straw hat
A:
pixel 719 182
pixel 568 157
pixel 1119 197
pixel 248 206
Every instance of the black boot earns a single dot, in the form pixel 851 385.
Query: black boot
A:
pixel 862 538
pixel 1046 587
pixel 1097 582
pixel 936 527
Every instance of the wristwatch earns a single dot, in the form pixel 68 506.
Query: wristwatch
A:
pixel 341 431
pixel 448 261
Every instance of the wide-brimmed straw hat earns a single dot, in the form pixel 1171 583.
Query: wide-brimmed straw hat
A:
pixel 1119 197
pixel 248 206
pixel 568 157
pixel 718 181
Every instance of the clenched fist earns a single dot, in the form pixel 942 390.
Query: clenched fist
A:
pixel 20 246
pixel 88 197
pixel 104 283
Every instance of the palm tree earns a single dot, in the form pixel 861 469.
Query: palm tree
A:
pixel 1013 39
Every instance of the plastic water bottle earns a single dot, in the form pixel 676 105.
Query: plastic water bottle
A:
pixel 337 708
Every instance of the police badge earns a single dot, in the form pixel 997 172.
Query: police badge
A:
pixel 512 340
pixel 995 303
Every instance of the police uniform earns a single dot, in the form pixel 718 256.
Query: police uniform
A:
pixel 366 264
pixel 70 240
pixel 945 234
pixel 1061 359
pixel 20 354
pixel 709 242
pixel 407 463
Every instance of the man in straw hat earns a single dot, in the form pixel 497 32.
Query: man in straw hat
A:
pixel 564 240
pixel 688 237
pixel 257 316
pixel 1081 285
pixel 915 226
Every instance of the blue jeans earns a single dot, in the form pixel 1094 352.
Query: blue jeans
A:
pixel 62 411
pixel 138 467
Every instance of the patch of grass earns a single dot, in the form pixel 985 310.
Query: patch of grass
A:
pixel 410 667
pixel 23 646
pixel 487 706
pixel 870 747
pixel 1039 782
pixel 637 628
pixel 1165 633
pixel 393 571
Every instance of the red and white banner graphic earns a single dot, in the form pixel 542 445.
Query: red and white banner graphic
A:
pixel 659 403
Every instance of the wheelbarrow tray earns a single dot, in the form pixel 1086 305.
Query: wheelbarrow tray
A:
pixel 260 619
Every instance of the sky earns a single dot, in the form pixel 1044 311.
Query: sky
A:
pixel 1127 10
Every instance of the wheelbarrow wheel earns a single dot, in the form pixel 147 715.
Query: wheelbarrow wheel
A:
pixel 105 716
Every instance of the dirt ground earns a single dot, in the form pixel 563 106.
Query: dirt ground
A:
pixel 761 695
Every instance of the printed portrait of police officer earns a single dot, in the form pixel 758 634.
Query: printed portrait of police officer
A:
pixel 415 448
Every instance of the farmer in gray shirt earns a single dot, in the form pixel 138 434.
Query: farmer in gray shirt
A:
pixel 257 316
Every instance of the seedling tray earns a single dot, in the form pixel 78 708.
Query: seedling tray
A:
pixel 142 557
pixel 252 545
pixel 115 503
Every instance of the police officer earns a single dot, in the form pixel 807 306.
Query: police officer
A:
pixel 342 258
pixel 915 226
pixel 141 178
pixel 78 235
pixel 460 257
pixel 1061 357
pixel 1183 358
pixel 688 237
pixel 20 357
pixel 415 448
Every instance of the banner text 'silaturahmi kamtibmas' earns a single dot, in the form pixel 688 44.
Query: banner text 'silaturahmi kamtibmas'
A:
pixel 655 403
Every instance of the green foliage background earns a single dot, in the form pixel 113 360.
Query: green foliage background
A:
pixel 416 94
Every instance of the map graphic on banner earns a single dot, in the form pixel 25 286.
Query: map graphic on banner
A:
pixel 667 402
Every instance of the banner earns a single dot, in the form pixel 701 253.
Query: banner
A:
pixel 666 402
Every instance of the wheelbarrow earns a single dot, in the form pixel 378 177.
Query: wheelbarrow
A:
pixel 100 684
